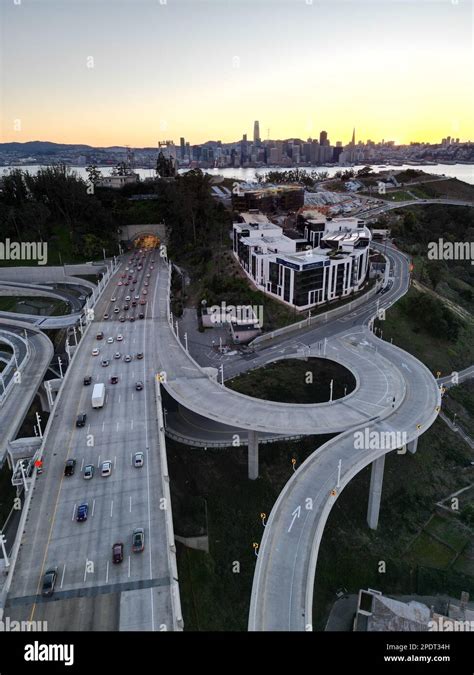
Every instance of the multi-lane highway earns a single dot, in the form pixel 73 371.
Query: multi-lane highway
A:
pixel 93 593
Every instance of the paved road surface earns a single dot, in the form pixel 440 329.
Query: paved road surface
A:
pixel 92 593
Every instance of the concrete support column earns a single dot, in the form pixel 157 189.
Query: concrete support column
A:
pixel 412 446
pixel 253 454
pixel 43 398
pixel 375 492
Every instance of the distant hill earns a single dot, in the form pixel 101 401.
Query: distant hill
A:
pixel 43 147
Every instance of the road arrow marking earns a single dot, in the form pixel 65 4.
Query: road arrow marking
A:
pixel 296 514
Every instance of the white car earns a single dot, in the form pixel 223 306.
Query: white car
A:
pixel 88 472
pixel 137 297
pixel 117 355
pixel 113 299
pixel 138 459
pixel 119 337
pixel 106 468
pixel 95 351
pixel 110 340
pixel 127 358
pixel 127 299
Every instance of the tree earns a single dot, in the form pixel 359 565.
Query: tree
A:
pixel 165 167
pixel 94 174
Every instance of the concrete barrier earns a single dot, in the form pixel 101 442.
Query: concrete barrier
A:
pixel 176 613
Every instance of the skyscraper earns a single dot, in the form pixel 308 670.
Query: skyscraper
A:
pixel 182 146
pixel 256 132
pixel 353 137
pixel 323 138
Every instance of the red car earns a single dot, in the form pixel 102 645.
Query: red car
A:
pixel 117 552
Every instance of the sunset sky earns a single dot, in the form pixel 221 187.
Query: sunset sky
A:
pixel 400 70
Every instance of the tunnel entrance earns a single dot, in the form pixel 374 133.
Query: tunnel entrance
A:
pixel 146 241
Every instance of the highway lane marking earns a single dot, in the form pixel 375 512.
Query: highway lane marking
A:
pixel 93 506
pixel 129 563
pixel 118 424
pixel 296 514
pixel 82 463
pixel 111 508
pixel 115 461
pixel 107 573
pixel 131 423
pixel 103 425
pixel 132 395
pixel 130 503
pixel 120 396
pixel 74 511
pixel 62 576
pixel 85 570
pixel 53 518
pixel 88 427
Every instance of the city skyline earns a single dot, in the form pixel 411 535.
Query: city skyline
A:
pixel 149 71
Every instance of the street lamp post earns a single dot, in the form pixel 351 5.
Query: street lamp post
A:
pixel 221 368
pixel 186 341
pixel 60 364
pixel 38 423
pixel 330 389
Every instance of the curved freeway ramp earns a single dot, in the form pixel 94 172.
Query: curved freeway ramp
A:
pixel 33 362
pixel 46 290
pixel 377 383
pixel 282 592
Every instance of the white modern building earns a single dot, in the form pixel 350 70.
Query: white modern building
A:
pixel 116 182
pixel 325 259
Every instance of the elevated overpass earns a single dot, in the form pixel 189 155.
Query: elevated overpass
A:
pixel 404 401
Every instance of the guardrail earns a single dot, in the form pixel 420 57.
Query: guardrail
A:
pixel 318 319
pixel 11 364
pixel 199 443
pixel 177 616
